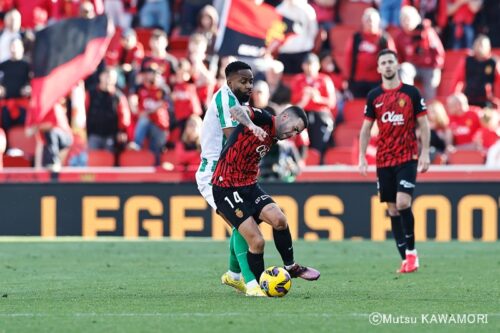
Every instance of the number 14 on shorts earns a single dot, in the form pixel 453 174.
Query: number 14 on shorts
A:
pixel 237 199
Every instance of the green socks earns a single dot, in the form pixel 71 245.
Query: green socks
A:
pixel 241 248
pixel 233 261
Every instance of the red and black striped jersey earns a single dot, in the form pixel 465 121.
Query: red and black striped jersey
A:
pixel 396 111
pixel 238 164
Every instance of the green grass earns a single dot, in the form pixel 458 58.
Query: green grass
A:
pixel 170 286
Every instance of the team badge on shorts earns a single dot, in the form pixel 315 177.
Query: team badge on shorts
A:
pixel 238 213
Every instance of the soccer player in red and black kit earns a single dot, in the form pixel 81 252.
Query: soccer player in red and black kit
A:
pixel 238 197
pixel 398 108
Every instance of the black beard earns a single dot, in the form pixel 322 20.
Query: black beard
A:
pixel 242 98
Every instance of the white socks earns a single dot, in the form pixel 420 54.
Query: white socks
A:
pixel 234 276
pixel 252 284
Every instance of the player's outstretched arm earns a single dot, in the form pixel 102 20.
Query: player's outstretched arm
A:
pixel 425 136
pixel 240 114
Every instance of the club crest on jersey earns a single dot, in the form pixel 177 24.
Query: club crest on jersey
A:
pixel 402 103
pixel 238 213
pixel 393 118
pixel 262 150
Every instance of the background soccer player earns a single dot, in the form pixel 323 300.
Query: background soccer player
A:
pixel 241 200
pixel 397 108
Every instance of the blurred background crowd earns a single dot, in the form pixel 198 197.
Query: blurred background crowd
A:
pixel 144 104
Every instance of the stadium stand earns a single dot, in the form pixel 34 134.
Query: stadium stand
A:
pixel 101 158
pixel 133 158
pixel 466 157
pixel 16 138
pixel 339 155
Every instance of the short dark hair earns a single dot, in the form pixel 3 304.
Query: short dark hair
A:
pixel 386 51
pixel 299 112
pixel 236 66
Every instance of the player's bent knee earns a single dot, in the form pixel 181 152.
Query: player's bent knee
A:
pixel 280 222
pixel 256 244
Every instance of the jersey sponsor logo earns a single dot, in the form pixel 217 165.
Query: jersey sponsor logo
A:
pixel 406 184
pixel 262 150
pixel 393 118
pixel 262 197
pixel 379 105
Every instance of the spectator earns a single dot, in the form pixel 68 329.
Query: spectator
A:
pixel 420 51
pixel 201 75
pixel 490 22
pixel 153 116
pixel 36 14
pixel 438 123
pixel 190 11
pixel 108 115
pixel 221 74
pixel 280 93
pixel 389 12
pixel 325 12
pixel 15 88
pixel 464 123
pixel 479 73
pixel 11 30
pixel 185 98
pixel 361 54
pixel 120 12
pixel 260 97
pixel 81 8
pixel 155 14
pixel 433 10
pixel 54 135
pixel 462 14
pixel 329 67
pixel 207 23
pixel 315 93
pixel 87 10
pixel 298 46
pixel 488 134
pixel 493 156
pixel 128 58
pixel 159 58
pixel 187 149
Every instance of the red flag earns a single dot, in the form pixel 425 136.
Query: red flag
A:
pixel 65 53
pixel 250 28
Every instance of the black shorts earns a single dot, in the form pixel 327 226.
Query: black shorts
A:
pixel 236 204
pixel 400 178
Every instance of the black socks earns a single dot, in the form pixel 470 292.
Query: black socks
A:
pixel 409 227
pixel 398 234
pixel 256 263
pixel 283 242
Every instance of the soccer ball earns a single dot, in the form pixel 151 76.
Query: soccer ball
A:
pixel 275 281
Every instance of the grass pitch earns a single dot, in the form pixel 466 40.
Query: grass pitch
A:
pixel 171 286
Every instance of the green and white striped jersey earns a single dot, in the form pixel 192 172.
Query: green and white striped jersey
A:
pixel 217 118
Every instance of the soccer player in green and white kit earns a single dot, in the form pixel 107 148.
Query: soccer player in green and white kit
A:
pixel 217 127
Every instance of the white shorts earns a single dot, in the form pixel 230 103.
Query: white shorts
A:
pixel 203 179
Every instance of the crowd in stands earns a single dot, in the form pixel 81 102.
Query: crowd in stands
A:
pixel 145 102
